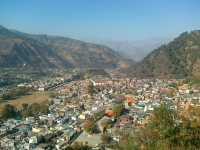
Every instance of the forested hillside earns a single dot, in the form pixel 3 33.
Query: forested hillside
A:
pixel 179 58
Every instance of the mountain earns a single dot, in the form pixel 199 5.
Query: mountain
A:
pixel 17 48
pixel 179 58
pixel 126 50
pixel 150 41
pixel 135 50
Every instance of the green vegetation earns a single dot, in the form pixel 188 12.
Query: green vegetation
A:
pixel 174 85
pixel 90 88
pixel 167 129
pixel 14 93
pixel 118 110
pixel 25 106
pixel 52 94
pixel 178 59
pixel 192 80
pixel 91 127
pixel 77 77
pixel 81 108
pixel 106 138
pixel 8 111
pixel 171 93
pixel 27 113
pixel 35 109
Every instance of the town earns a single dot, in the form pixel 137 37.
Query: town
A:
pixel 94 111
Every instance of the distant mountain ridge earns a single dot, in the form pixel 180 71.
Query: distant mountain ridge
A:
pixel 17 48
pixel 135 50
pixel 178 59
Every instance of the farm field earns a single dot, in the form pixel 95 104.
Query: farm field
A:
pixel 34 97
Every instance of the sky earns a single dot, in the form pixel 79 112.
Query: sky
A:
pixel 113 19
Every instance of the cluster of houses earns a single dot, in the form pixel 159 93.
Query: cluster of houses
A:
pixel 73 106
pixel 35 84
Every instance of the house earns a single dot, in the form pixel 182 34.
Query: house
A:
pixel 3 134
pixel 127 126
pixel 42 89
pixel 57 101
pixel 124 119
pixel 61 144
pixel 195 103
pixel 48 137
pixel 128 102
pixel 69 134
pixel 35 139
pixel 3 128
pixel 83 115
pixel 99 81
pixel 109 110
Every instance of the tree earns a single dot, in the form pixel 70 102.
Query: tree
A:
pixel 118 110
pixel 91 127
pixel 25 106
pixel 94 129
pixel 5 96
pixel 8 111
pixel 90 88
pixel 27 113
pixel 35 107
pixel 171 93
pixel 58 133
pixel 81 108
pixel 106 138
pixel 44 109
pixel 52 94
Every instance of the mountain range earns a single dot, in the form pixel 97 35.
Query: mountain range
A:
pixel 135 50
pixel 44 51
pixel 177 59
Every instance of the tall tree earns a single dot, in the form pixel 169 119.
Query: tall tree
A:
pixel 118 110
pixel 25 106
pixel 8 111
pixel 90 88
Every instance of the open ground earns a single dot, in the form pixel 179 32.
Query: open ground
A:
pixel 33 97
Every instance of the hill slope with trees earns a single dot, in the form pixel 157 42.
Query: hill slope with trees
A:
pixel 179 58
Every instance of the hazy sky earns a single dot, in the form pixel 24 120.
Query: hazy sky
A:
pixel 114 19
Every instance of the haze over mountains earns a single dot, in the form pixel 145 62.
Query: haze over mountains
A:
pixel 17 49
pixel 135 50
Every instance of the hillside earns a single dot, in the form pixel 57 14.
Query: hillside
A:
pixel 179 58
pixel 17 49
